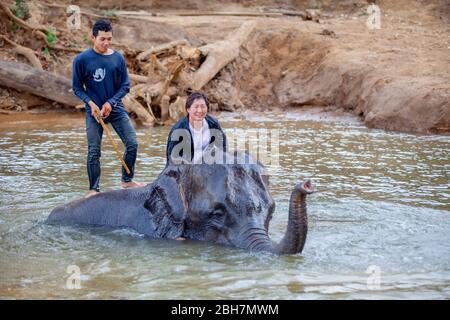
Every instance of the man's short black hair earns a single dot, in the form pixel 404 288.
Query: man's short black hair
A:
pixel 101 25
pixel 195 96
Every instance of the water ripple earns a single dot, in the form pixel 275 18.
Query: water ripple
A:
pixel 383 201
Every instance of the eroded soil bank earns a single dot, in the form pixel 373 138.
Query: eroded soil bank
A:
pixel 395 78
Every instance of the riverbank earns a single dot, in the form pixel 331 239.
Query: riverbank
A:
pixel 395 78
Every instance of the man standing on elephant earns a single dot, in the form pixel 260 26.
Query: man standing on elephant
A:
pixel 192 135
pixel 100 80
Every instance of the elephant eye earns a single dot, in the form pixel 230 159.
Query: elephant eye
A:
pixel 217 213
pixel 219 209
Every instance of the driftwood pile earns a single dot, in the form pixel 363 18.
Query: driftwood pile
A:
pixel 161 76
pixel 174 69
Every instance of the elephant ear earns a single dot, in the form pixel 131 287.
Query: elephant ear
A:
pixel 167 205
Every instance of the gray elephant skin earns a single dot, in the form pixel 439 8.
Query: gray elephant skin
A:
pixel 227 204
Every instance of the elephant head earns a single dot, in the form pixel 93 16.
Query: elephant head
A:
pixel 224 204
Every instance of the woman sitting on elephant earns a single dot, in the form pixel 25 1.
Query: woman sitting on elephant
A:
pixel 191 137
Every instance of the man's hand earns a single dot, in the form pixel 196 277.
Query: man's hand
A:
pixel 95 110
pixel 106 109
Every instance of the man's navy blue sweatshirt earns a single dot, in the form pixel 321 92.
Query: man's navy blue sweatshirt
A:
pixel 101 78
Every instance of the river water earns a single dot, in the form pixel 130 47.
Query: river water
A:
pixel 379 222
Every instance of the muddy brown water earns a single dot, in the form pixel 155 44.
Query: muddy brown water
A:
pixel 379 223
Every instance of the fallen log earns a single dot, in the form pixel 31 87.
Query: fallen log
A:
pixel 219 54
pixel 134 13
pixel 237 13
pixel 44 84
pixel 161 48
pixel 308 14
pixel 131 105
pixel 154 62
pixel 138 78
pixel 23 77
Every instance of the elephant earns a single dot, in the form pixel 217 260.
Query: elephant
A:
pixel 226 204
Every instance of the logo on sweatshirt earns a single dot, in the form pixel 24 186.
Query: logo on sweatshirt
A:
pixel 99 74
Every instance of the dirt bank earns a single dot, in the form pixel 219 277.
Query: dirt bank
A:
pixel 395 78
pixel 392 82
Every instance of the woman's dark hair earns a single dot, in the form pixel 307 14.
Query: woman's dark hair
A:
pixel 101 25
pixel 195 96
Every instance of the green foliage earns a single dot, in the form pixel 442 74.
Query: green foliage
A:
pixel 20 10
pixel 51 36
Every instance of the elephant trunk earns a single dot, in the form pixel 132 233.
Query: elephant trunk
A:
pixel 257 239
pixel 297 228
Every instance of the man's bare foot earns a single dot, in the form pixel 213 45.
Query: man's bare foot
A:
pixel 132 184
pixel 91 193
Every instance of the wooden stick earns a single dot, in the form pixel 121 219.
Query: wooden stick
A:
pixel 119 155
